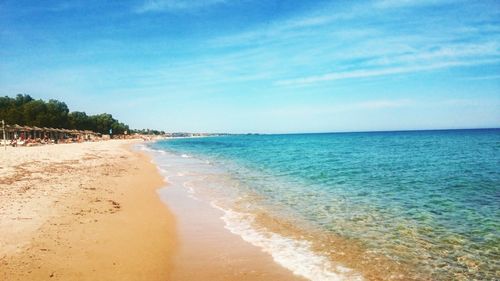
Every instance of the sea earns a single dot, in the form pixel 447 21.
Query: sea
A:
pixel 406 205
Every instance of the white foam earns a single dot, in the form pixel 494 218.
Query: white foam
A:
pixel 146 148
pixel 296 255
pixel 162 171
pixel 192 196
pixel 189 189
pixel 143 147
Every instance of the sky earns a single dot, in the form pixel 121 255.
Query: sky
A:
pixel 263 66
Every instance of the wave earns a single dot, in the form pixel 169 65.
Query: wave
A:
pixel 295 255
pixel 146 148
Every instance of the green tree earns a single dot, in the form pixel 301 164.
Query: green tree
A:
pixel 24 110
pixel 58 114
pixel 35 113
pixel 80 121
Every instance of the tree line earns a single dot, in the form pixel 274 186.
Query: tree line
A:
pixel 26 111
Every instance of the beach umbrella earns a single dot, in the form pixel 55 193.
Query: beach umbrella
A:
pixel 27 130
pixel 37 131
pixel 56 133
pixel 66 131
pixel 11 130
pixel 45 129
pixel 20 129
pixel 17 127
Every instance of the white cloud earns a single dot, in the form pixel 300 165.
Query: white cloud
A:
pixel 175 5
pixel 379 72
pixel 410 3
pixel 488 77
pixel 286 29
pixel 342 107
pixel 379 104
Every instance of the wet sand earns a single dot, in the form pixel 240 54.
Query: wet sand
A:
pixel 208 251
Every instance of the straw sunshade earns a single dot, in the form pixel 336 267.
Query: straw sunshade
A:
pixel 17 127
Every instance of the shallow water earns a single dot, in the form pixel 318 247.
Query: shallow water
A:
pixel 390 205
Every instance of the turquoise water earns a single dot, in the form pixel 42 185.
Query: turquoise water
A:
pixel 429 200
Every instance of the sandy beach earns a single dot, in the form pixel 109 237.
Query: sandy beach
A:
pixel 92 211
pixel 82 212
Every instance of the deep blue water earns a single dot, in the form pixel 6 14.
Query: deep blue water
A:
pixel 431 198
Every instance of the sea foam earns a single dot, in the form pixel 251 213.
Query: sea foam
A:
pixel 295 255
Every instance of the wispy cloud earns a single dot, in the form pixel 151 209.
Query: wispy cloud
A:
pixel 260 60
pixel 175 5
pixel 343 107
pixel 488 77
pixel 410 3
pixel 378 72
pixel 378 104
pixel 329 44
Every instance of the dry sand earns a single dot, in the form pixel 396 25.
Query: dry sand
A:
pixel 82 212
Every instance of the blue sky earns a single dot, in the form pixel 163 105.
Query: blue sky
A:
pixel 260 66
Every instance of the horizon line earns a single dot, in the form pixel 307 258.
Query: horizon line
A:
pixel 342 132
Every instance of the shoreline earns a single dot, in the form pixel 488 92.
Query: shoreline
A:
pixel 103 211
pixel 83 212
pixel 300 248
pixel 209 251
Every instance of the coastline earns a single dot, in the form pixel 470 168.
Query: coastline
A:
pixel 83 212
pixel 107 211
pixel 299 248
pixel 103 211
pixel 206 248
